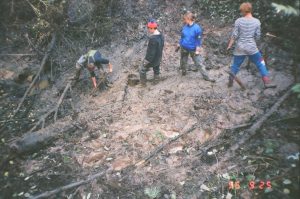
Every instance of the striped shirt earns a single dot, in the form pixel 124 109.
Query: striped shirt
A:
pixel 246 32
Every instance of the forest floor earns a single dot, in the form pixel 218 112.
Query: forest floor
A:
pixel 120 126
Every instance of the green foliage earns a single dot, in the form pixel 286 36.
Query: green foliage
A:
pixel 152 192
pixel 296 89
pixel 287 10
pixel 270 145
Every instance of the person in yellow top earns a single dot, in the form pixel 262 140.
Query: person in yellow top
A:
pixel 91 60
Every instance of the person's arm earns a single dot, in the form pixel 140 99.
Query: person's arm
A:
pixel 106 61
pixel 110 66
pixel 257 34
pixel 151 50
pixel 93 75
pixel 231 42
pixel 234 36
pixel 198 35
pixel 81 61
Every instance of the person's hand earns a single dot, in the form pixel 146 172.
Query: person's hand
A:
pixel 94 82
pixel 110 67
pixel 198 50
pixel 229 47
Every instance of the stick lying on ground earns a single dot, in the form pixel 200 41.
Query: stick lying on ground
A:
pixel 55 109
pixel 69 186
pixel 29 54
pixel 51 46
pixel 162 146
pixel 102 80
pixel 251 131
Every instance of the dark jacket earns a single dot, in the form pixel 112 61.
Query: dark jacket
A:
pixel 155 50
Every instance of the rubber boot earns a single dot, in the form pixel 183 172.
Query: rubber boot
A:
pixel 205 75
pixel 230 82
pixel 156 79
pixel 268 83
pixel 207 78
pixel 143 80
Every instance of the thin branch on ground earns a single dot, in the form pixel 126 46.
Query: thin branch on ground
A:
pixel 162 146
pixel 53 110
pixel 51 45
pixel 251 131
pixel 47 194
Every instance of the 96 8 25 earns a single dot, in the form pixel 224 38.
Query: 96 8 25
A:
pixel 252 185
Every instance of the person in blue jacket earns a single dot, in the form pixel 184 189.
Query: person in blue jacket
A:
pixel 190 45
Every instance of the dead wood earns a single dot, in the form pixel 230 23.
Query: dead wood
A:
pixel 100 174
pixel 47 194
pixel 53 110
pixel 102 81
pixel 50 47
pixel 162 146
pixel 251 131
pixel 28 54
pixel 238 126
pixel 36 140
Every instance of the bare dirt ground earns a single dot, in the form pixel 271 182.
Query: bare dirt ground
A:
pixel 123 124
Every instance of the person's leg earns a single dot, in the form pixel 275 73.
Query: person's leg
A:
pixel 235 67
pixel 197 60
pixel 143 74
pixel 77 72
pixel 184 61
pixel 156 70
pixel 258 60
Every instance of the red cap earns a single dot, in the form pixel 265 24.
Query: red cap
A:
pixel 152 25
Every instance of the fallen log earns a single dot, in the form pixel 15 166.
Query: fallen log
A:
pixel 250 132
pixel 42 66
pixel 34 141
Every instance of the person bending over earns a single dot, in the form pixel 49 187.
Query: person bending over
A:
pixel 91 60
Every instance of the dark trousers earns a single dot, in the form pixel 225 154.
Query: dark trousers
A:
pixel 197 60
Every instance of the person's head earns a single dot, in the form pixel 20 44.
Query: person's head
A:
pixel 189 17
pixel 245 8
pixel 91 67
pixel 152 26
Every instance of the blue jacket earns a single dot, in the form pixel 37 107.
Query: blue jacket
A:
pixel 191 37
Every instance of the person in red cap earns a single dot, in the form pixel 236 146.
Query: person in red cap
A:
pixel 154 53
